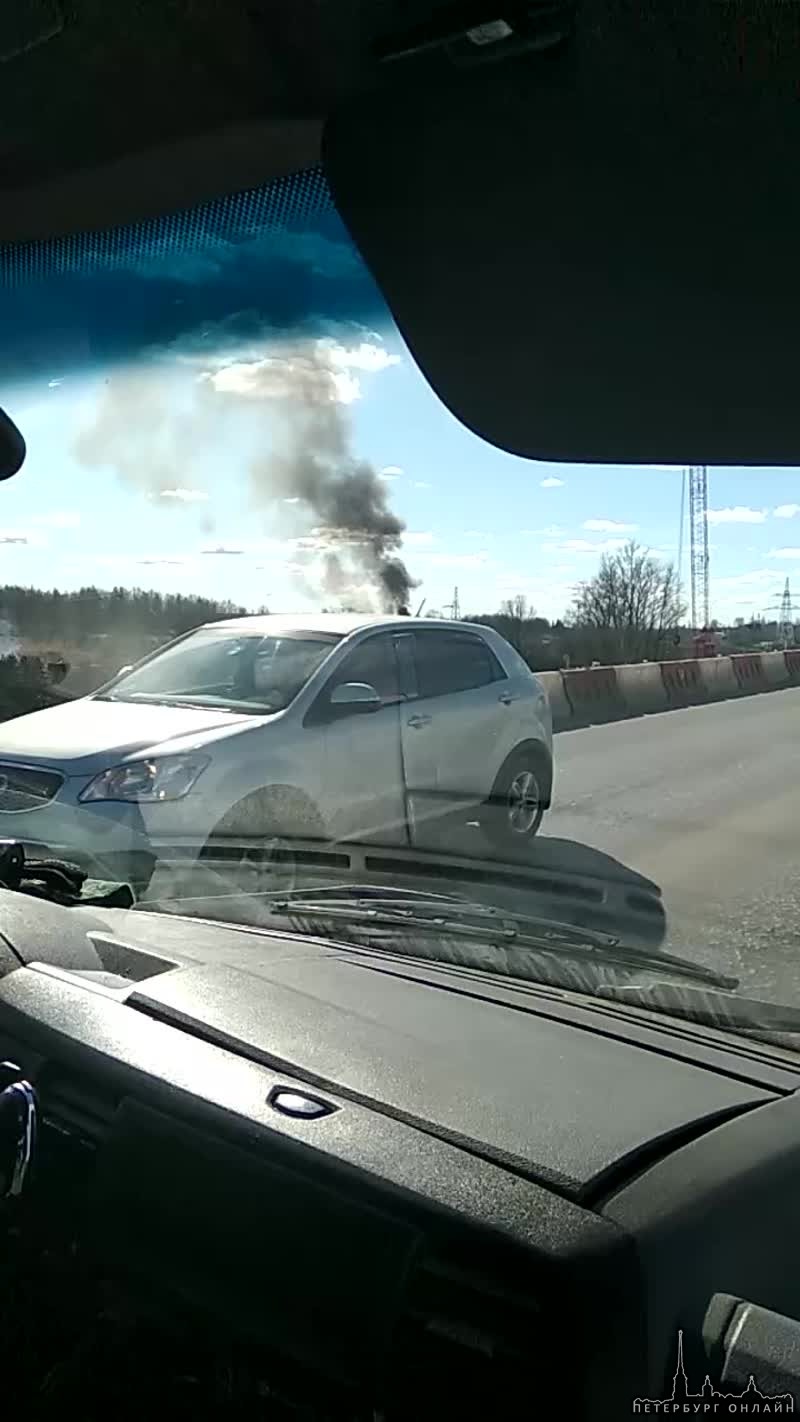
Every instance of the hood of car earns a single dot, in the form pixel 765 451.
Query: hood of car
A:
pixel 82 730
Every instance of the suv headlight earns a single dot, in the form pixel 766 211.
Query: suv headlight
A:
pixel 164 778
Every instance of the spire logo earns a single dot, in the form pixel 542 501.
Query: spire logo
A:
pixel 708 1402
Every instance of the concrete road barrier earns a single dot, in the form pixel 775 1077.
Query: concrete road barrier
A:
pixel 719 678
pixel 749 672
pixel 594 695
pixel 773 666
pixel 590 696
pixel 683 683
pixel 556 695
pixel 642 688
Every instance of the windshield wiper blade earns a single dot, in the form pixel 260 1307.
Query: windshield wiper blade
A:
pixel 708 1008
pixel 424 914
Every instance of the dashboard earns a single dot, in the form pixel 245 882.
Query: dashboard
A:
pixel 402 1189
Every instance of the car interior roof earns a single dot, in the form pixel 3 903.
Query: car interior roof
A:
pixel 112 113
pixel 586 233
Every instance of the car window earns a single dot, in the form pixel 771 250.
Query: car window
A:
pixel 204 659
pixel 214 667
pixel 374 662
pixel 448 663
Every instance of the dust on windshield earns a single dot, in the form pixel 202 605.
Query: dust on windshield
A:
pixel 560 691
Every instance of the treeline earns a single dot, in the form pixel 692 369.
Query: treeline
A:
pixel 552 646
pixel 46 616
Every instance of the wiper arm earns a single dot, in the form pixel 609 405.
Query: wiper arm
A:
pixel 432 915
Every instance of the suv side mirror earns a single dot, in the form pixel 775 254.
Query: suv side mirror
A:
pixel 355 697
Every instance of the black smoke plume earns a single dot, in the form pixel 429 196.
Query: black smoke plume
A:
pixel 304 389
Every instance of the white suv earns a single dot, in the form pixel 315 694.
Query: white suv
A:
pixel 343 727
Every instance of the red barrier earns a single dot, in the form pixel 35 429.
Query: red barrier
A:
pixel 792 659
pixel 594 694
pixel 683 682
pixel 749 672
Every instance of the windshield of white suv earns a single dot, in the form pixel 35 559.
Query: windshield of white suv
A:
pixel 556 711
pixel 217 668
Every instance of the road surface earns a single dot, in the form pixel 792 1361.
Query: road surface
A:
pixel 706 802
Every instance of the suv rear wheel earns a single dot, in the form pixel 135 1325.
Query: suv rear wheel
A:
pixel 519 799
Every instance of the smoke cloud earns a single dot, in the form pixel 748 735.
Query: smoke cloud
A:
pixel 304 390
pixel 295 398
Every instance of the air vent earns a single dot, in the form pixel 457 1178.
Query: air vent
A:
pixel 468 1333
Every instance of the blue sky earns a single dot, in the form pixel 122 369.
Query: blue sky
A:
pixel 141 454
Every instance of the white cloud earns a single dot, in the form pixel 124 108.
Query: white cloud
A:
pixel 184 496
pixel 326 363
pixel 367 356
pixel 739 514
pixel 552 483
pixel 391 471
pixel 608 525
pixel 784 553
pixel 786 511
pixel 273 378
pixel 291 501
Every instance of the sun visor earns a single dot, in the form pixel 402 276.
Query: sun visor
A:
pixel 591 247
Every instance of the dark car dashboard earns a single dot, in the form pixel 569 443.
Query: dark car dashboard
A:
pixel 386 1188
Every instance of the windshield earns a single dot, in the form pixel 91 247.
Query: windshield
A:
pixel 216 668
pixel 559 691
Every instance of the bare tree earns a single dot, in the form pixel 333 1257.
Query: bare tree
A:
pixel 631 608
pixel 515 612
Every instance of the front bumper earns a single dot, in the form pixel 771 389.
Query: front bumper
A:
pixel 108 840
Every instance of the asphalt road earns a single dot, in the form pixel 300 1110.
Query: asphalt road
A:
pixel 705 802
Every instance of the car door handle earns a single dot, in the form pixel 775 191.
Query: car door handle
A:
pixel 418 721
pixel 507 697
